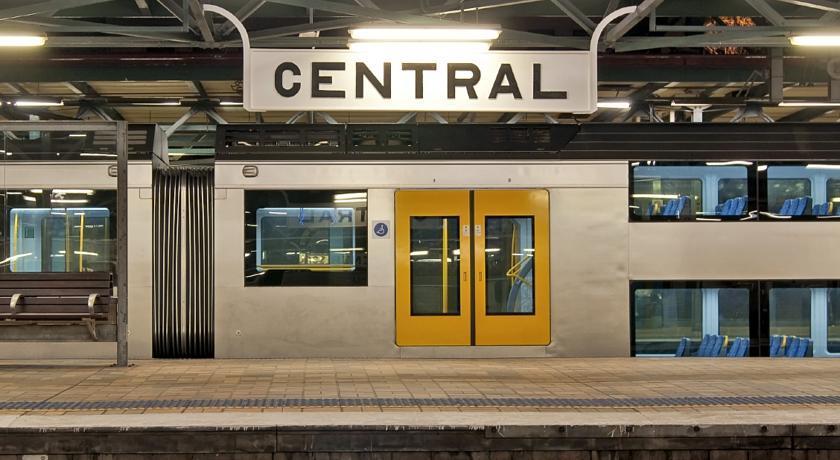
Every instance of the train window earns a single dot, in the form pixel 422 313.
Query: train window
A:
pixel 665 313
pixel 790 311
pixel 693 191
pixel 805 191
pixel 509 265
pixel 833 321
pixel 59 230
pixel 306 238
pixel 435 265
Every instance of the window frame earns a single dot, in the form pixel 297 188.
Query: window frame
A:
pixel 250 245
pixel 763 169
pixel 752 193
pixel 767 285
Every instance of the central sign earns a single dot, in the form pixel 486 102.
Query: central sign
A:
pixel 493 81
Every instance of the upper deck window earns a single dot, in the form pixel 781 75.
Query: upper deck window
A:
pixel 701 191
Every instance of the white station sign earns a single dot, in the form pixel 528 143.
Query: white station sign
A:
pixel 408 80
pixel 343 80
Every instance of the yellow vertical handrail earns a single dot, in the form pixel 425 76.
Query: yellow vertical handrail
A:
pixel 15 243
pixel 444 263
pixel 81 240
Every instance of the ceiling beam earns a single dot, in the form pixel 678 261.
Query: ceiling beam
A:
pixel 242 14
pixel 199 88
pixel 201 20
pixel 763 37
pixel 143 6
pixel 767 11
pixel 355 10
pixel 638 97
pixel 102 109
pixel 296 29
pixel 824 5
pixel 575 14
pixel 629 21
pixel 44 8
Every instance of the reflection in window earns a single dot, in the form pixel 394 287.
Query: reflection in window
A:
pixel 689 192
pixel 305 238
pixel 663 316
pixel 435 255
pixel 833 320
pixel 45 235
pixel 509 265
pixel 790 311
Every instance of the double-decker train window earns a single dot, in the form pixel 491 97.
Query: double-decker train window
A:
pixel 306 238
pixel 692 191
pixel 59 230
pixel 668 312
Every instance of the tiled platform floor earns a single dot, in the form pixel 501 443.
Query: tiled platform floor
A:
pixel 423 380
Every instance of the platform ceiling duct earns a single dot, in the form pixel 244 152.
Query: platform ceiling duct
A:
pixel 183 263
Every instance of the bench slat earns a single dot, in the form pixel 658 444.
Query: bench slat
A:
pixel 66 300
pixel 52 316
pixel 55 284
pixel 53 292
pixel 36 276
pixel 4 309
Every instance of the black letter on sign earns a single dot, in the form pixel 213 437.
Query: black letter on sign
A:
pixel 278 79
pixel 418 69
pixel 538 92
pixel 318 80
pixel 468 83
pixel 383 88
pixel 505 71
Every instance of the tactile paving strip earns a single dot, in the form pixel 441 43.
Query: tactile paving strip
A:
pixel 424 402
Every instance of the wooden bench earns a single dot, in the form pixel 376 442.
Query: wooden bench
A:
pixel 50 307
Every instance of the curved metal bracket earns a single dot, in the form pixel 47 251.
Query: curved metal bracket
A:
pixel 593 50
pixel 246 50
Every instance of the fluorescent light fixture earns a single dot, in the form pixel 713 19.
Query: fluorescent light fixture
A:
pixel 77 135
pixel 37 190
pixel 688 104
pixel 62 191
pixel 37 103
pixel 68 201
pixel 416 48
pixel 352 200
pixel 22 40
pixel 815 40
pixel 819 166
pixel 492 250
pixel 655 196
pixel 425 34
pixel 230 103
pixel 171 103
pixel 729 163
pixel 12 258
pixel 345 196
pixel 85 253
pixel 613 104
pixel 836 199
pixel 762 167
pixel 808 104
pixel 29 198
pixel 110 155
pixel 418 253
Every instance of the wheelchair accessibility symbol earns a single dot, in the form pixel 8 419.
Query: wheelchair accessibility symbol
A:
pixel 380 229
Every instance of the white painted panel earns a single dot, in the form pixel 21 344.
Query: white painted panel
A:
pixel 424 175
pixel 734 250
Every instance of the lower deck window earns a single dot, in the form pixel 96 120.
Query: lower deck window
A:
pixel 663 314
pixel 59 230
pixel 306 238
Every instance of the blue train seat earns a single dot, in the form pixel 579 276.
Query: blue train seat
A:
pixel 717 346
pixel 740 206
pixel 775 346
pixel 681 206
pixel 802 204
pixel 669 207
pixel 727 208
pixel 804 347
pixel 785 211
pixel 734 349
pixel 744 348
pixel 683 347
pixel 792 347
pixel 704 346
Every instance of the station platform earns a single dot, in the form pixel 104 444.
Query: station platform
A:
pixel 487 408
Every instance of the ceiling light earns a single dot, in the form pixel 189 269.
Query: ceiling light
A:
pixel 688 104
pixel 613 104
pixel 426 34
pixel 822 166
pixel 230 103
pixel 729 163
pixel 815 40
pixel 809 104
pixel 77 135
pixel 22 40
pixel 37 103
pixel 419 48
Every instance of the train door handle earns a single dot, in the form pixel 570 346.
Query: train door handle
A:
pixel 465 276
pixel 480 276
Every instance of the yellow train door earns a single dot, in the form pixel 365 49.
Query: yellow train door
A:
pixel 472 267
pixel 511 263
pixel 432 237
